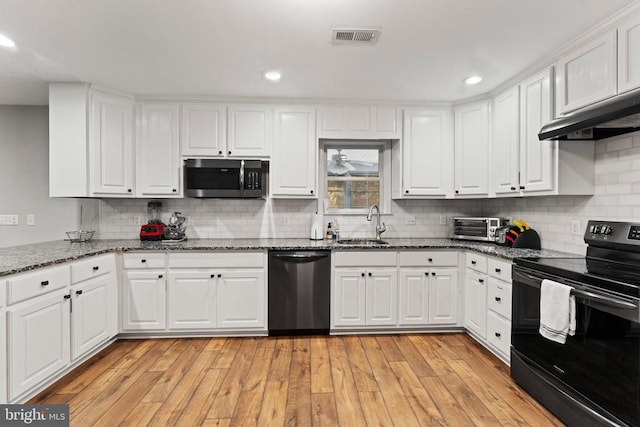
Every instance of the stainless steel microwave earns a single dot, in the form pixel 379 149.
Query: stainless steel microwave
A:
pixel 225 178
pixel 477 228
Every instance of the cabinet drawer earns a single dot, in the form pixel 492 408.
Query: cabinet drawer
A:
pixel 428 259
pixel 499 332
pixel 499 294
pixel 144 260
pixel 25 286
pixel 217 259
pixel 365 258
pixel 92 267
pixel 477 262
pixel 499 269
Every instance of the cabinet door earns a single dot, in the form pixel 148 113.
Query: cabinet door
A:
pixel 443 296
pixel 192 300
pixel 38 341
pixel 349 297
pixel 3 356
pixel 588 74
pixel 358 121
pixel 476 303
pixel 295 149
pixel 250 130
pixel 385 122
pixel 427 153
pixel 537 163
pixel 144 300
pixel 414 297
pixel 472 149
pixel 158 157
pixel 505 142
pixel 381 294
pixel 94 314
pixel 111 145
pixel 203 130
pixel 242 299
pixel 629 55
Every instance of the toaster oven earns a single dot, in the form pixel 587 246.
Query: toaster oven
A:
pixel 477 228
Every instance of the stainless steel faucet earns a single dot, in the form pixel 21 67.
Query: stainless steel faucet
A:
pixel 379 228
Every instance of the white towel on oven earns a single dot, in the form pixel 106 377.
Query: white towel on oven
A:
pixel 557 311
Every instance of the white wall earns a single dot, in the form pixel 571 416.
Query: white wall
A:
pixel 24 180
pixel 617 197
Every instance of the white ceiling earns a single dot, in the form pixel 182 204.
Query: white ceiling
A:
pixel 221 47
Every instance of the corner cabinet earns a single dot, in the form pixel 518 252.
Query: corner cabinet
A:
pixel 158 166
pixel 293 170
pixel 472 149
pixel 91 129
pixel 427 153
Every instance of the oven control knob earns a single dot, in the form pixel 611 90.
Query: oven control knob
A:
pixel 606 230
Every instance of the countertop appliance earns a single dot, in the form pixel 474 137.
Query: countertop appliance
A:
pixel 611 117
pixel 225 178
pixel 299 292
pixel 594 378
pixel 476 228
pixel 154 228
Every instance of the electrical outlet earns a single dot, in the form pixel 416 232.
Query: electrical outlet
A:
pixel 8 219
pixel 286 220
pixel 31 219
pixel 443 220
pixel 410 219
pixel 137 220
pixel 576 228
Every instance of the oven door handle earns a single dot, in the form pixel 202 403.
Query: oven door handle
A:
pixel 528 279
pixel 605 300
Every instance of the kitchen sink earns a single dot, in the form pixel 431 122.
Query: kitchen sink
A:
pixel 362 242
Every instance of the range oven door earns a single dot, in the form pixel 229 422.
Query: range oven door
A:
pixel 600 364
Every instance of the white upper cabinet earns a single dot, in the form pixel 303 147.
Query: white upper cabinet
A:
pixel 537 161
pixel 203 130
pixel 91 130
pixel 472 149
pixel 587 74
pixel 358 121
pixel 111 144
pixel 505 142
pixel 250 130
pixel 427 153
pixel 158 170
pixel 629 54
pixel 295 152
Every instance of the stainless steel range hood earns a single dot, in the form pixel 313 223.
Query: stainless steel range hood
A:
pixel 614 116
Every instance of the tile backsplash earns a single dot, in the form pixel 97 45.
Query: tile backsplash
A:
pixel 617 197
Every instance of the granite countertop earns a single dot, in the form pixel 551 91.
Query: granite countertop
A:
pixel 17 259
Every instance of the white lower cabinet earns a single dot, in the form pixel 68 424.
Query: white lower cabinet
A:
pixel 380 297
pixel 94 314
pixel 192 300
pixel 144 300
pixel 428 296
pixel 476 302
pixel 488 303
pixel 349 298
pixel 38 340
pixel 242 299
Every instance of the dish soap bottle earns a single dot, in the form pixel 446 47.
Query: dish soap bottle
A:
pixel 329 234
pixel 336 231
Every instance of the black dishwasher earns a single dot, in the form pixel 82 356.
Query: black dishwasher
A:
pixel 299 292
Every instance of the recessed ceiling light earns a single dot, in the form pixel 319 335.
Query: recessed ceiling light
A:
pixel 272 75
pixel 6 41
pixel 473 80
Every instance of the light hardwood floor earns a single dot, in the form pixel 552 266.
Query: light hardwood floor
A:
pixel 382 380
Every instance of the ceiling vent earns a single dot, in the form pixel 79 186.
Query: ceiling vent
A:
pixel 355 36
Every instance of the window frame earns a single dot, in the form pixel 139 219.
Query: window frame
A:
pixel 384 169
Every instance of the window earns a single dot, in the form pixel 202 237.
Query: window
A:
pixel 354 175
